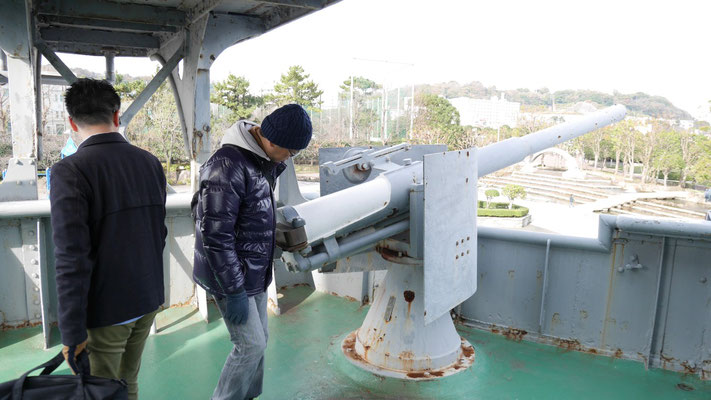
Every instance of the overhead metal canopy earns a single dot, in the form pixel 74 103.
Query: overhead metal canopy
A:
pixel 138 28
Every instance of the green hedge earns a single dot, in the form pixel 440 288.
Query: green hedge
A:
pixel 501 210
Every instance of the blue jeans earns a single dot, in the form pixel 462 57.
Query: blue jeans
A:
pixel 243 372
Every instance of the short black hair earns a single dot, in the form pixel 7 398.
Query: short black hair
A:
pixel 91 101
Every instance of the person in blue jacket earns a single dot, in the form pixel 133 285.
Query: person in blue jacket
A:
pixel 235 223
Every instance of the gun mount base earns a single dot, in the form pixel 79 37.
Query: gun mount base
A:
pixel 394 341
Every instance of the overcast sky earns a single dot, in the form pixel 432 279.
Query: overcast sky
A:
pixel 657 47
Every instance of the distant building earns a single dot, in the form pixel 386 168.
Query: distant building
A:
pixel 492 113
pixel 54 114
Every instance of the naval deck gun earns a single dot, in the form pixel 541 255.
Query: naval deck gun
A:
pixel 420 216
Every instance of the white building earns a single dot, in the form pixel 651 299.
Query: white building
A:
pixel 54 114
pixel 492 113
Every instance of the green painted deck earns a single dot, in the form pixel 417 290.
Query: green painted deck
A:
pixel 184 359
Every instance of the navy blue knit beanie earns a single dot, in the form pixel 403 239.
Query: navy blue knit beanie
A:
pixel 288 127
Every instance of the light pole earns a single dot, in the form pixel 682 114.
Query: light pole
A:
pixel 384 113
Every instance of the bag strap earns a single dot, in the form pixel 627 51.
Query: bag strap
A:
pixel 49 367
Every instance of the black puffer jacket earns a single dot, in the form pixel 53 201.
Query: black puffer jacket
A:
pixel 235 222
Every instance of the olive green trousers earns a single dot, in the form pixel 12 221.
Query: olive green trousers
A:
pixel 115 351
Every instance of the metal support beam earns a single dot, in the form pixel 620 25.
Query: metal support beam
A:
pixel 97 49
pixel 151 88
pixel 23 115
pixel 178 103
pixel 47 318
pixel 56 62
pixel 204 7
pixel 102 38
pixel 308 4
pixel 112 11
pixel 225 30
pixel 31 264
pixel 110 73
pixel 117 26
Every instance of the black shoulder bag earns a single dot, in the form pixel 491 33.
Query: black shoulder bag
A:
pixel 56 387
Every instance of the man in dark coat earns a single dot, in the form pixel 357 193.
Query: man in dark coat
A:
pixel 108 216
pixel 235 236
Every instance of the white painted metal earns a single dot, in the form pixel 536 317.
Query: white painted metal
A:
pixel 450 268
pixel 510 151
pixel 327 215
pixel 20 181
pixel 394 337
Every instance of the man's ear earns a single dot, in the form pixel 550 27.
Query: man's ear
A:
pixel 74 126
pixel 116 119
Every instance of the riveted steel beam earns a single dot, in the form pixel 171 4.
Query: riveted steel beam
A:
pixel 99 37
pixel 113 25
pixel 108 10
pixel 151 88
pixel 308 4
pixel 56 62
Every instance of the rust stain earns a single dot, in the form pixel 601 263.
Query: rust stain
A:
pixel 592 351
pixel 437 373
pixel 568 344
pixel 26 324
pixel 348 347
pixel 514 334
pixel 688 369
pixel 349 298
pixel 409 296
pixel 618 353
pixel 415 374
pixel 665 360
pixel 467 351
pixel 407 358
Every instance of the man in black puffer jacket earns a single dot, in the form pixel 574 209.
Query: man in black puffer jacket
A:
pixel 235 236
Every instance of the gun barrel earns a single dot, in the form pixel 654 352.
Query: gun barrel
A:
pixel 510 151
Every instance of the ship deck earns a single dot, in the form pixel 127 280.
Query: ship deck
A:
pixel 303 361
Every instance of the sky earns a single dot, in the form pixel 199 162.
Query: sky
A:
pixel 657 47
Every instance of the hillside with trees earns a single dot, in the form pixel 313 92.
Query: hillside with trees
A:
pixel 637 103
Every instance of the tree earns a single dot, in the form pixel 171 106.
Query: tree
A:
pixel 702 166
pixel 437 121
pixel 593 141
pixel 128 89
pixel 364 114
pixel 618 136
pixel 629 145
pixel 649 142
pixel 490 194
pixel 513 192
pixel 690 153
pixel 294 87
pixel 233 93
pixel 667 156
pixel 156 127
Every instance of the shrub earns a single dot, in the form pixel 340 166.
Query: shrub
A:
pixel 514 192
pixel 501 210
pixel 490 194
